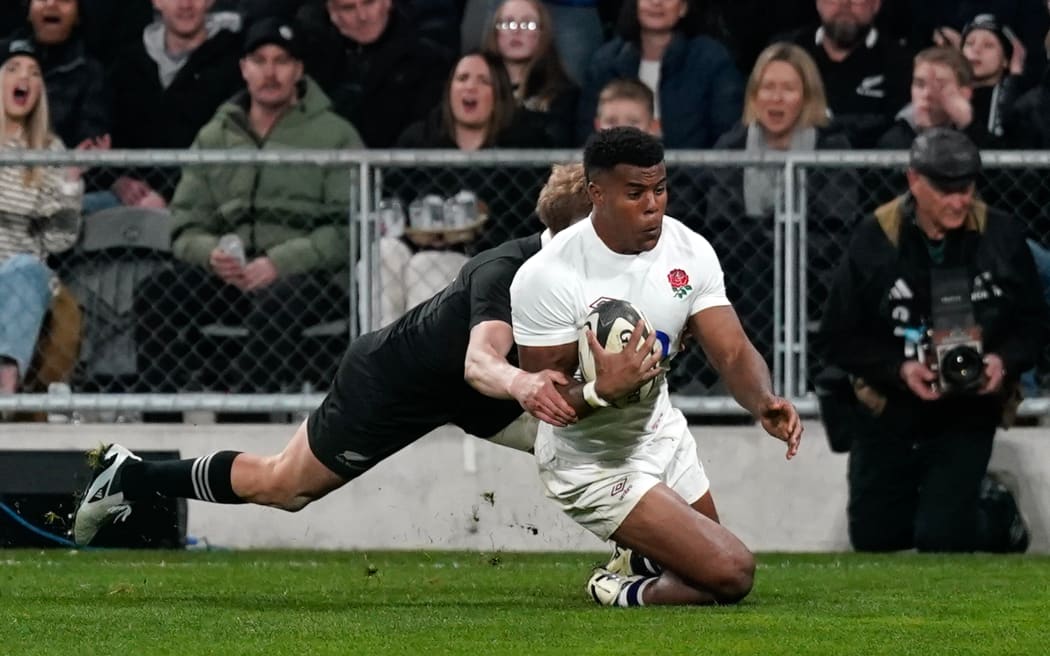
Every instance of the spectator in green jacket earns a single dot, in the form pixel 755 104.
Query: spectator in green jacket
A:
pixel 263 248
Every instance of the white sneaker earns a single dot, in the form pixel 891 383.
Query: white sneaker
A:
pixel 626 562
pixel 103 502
pixel 606 588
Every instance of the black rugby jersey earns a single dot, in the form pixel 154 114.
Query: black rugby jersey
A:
pixel 398 383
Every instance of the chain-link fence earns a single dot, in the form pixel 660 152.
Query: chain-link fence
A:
pixel 235 280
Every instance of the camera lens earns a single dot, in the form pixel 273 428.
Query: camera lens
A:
pixel 962 367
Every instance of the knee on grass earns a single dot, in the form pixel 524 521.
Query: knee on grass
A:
pixel 734 577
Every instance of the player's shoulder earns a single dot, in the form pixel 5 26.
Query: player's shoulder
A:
pixel 505 258
pixel 515 250
pixel 683 238
pixel 568 239
pixel 562 251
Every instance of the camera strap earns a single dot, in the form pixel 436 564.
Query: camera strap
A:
pixel 950 305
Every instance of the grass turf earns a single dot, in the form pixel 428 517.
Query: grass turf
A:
pixel 272 603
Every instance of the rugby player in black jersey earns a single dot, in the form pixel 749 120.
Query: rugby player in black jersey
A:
pixel 449 360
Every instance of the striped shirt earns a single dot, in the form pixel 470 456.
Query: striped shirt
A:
pixel 42 218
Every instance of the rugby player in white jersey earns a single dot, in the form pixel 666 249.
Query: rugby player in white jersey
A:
pixel 632 474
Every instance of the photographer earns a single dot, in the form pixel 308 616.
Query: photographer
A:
pixel 934 313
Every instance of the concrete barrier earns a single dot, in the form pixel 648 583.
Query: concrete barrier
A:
pixel 451 491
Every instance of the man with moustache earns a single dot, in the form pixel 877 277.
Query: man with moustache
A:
pixel 865 74
pixel 289 220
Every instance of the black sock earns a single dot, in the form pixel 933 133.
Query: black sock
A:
pixel 206 478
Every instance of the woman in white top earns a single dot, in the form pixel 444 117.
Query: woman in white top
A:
pixel 39 212
pixel 667 45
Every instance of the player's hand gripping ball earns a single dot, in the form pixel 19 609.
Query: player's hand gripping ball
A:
pixel 613 321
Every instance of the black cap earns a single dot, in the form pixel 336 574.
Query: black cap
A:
pixel 274 31
pixel 991 23
pixel 947 157
pixel 18 48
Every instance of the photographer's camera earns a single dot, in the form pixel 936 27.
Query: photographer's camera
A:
pixel 954 348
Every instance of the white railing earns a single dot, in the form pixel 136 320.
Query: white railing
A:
pixel 365 171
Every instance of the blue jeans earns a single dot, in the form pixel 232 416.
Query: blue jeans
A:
pixel 1029 380
pixel 25 295
pixel 1042 264
pixel 95 201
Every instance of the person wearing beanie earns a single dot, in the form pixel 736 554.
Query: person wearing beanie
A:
pixel 39 212
pixel 74 81
pixel 997 59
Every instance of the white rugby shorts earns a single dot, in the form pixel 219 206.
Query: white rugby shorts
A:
pixel 599 496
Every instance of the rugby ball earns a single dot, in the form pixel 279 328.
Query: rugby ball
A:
pixel 612 321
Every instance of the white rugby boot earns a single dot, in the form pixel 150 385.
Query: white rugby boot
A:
pixel 104 501
pixel 627 562
pixel 610 589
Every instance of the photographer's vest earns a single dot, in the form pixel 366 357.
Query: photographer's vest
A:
pixel 891 216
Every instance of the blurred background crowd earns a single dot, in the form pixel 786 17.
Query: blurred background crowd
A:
pixel 260 255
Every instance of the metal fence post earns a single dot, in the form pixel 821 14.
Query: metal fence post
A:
pixel 367 245
pixel 351 212
pixel 799 350
pixel 778 286
pixel 790 284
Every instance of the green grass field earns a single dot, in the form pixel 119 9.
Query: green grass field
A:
pixel 271 603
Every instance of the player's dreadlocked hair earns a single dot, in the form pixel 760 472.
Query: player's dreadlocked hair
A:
pixel 564 198
pixel 623 145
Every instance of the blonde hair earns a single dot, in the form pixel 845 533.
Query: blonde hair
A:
pixel 36 132
pixel 564 198
pixel 814 101
pixel 952 59
pixel 628 89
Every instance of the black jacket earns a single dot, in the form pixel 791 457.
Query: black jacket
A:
pixel 745 244
pixel 146 115
pixel 385 86
pixel 831 193
pixel 12 17
pixel 867 89
pixel 1027 18
pixel 900 135
pixel 526 130
pixel 880 288
pixel 1028 121
pixel 508 191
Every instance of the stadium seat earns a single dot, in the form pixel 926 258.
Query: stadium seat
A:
pixel 120 247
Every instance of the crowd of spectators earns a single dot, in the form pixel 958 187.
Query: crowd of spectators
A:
pixel 477 74
pixel 109 67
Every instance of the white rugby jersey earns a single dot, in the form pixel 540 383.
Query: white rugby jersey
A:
pixel 555 290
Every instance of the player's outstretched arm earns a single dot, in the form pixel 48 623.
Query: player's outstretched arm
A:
pixel 486 369
pixel 745 373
